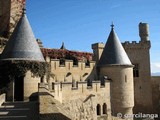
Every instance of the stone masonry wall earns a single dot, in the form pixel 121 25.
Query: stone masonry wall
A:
pixel 81 110
pixel 30 85
pixel 4 16
pixel 15 13
pixel 10 12
pixel 78 105
pixel 82 100
pixel 69 72
pixel 139 54
pixel 156 94
pixel 122 91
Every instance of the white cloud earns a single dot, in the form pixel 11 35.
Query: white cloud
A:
pixel 155 67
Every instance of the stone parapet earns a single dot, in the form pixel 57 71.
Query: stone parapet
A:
pixel 136 45
pixel 68 71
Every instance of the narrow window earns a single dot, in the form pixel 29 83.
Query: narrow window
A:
pixel 136 70
pixel 62 62
pixel 125 78
pixel 98 109
pixel 104 108
pixel 89 82
pixel 103 82
pixel 52 85
pixel 42 79
pixel 87 63
pixel 75 62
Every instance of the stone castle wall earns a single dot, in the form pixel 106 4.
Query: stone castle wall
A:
pixel 15 13
pixel 81 101
pixel 156 94
pixel 139 55
pixel 122 91
pixel 30 85
pixel 10 12
pixel 69 72
pixel 4 16
pixel 69 85
pixel 97 51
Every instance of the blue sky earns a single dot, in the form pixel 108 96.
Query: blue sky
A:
pixel 80 23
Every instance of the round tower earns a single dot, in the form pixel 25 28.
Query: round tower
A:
pixel 21 51
pixel 144 31
pixel 115 64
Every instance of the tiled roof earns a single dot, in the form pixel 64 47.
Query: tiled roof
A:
pixel 67 54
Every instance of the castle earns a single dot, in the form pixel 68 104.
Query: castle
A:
pixel 115 78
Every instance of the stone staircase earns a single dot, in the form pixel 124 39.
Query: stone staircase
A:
pixel 49 107
pixel 19 111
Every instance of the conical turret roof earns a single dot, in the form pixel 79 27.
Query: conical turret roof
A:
pixel 63 47
pixel 114 53
pixel 22 45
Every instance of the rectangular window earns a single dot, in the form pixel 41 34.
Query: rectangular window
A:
pixel 1 9
pixel 136 70
pixel 62 62
pixel 52 85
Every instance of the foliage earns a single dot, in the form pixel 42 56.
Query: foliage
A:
pixel 66 54
pixel 11 69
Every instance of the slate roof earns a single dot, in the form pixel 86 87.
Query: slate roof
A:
pixel 63 47
pixel 114 53
pixel 22 45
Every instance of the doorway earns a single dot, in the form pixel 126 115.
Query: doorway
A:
pixel 19 88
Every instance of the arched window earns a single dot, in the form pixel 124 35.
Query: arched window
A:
pixel 104 108
pixel 98 109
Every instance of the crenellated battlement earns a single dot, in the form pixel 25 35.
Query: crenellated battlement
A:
pixel 69 64
pixel 75 85
pixel 63 91
pixel 136 45
pixel 67 71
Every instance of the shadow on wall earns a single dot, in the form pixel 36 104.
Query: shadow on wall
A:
pixel 53 116
pixel 33 97
pixel 90 76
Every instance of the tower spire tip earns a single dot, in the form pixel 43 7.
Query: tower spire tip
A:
pixel 112 25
